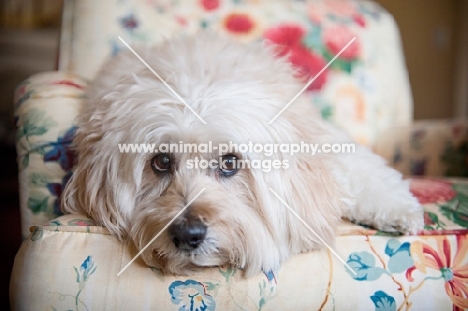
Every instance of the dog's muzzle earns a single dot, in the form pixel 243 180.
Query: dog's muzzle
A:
pixel 188 234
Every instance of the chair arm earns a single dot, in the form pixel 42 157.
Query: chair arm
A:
pixel 428 147
pixel 46 105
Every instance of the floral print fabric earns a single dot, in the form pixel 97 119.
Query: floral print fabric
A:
pixel 45 108
pixel 424 272
pixel 365 89
pixel 427 148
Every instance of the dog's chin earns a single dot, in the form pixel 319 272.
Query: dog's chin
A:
pixel 206 260
pixel 183 262
pixel 207 255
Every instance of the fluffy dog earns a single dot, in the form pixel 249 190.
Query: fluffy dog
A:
pixel 237 89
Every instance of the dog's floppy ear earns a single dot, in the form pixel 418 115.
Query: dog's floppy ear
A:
pixel 97 188
pixel 308 187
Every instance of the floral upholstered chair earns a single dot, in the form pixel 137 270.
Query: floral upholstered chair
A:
pixel 69 263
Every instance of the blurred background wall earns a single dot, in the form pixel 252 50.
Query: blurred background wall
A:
pixel 435 40
pixel 30 14
pixel 29 33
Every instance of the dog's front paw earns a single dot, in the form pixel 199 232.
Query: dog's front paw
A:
pixel 406 223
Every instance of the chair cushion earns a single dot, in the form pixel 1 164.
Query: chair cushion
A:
pixel 71 264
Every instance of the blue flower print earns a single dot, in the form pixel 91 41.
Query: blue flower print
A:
pixel 61 151
pixel 383 302
pixel 86 269
pixel 56 190
pixel 191 296
pixel 270 276
pixel 363 264
pixel 129 22
pixel 400 257
pixel 82 275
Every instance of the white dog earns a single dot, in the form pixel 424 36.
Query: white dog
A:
pixel 236 89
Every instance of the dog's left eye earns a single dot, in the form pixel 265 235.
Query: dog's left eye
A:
pixel 161 163
pixel 228 165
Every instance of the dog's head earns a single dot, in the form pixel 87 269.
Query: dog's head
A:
pixel 227 213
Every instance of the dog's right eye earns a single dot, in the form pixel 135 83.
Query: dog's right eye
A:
pixel 228 165
pixel 161 163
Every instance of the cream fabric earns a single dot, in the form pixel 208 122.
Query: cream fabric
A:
pixel 427 148
pixel 46 105
pixel 365 91
pixel 72 265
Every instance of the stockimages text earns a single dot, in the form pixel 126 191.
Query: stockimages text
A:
pixel 223 149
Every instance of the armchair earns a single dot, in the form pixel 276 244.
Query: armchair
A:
pixel 69 263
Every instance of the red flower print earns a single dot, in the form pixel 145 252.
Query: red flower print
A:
pixel 181 20
pixel 20 90
pixel 209 5
pixel 337 37
pixel 450 261
pixel 286 36
pixel 340 8
pixel 239 23
pixel 309 65
pixel 428 220
pixel 359 19
pixel 69 83
pixel 335 10
pixel 431 191
pixel 81 222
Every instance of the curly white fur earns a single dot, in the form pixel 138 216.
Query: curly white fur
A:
pixel 237 89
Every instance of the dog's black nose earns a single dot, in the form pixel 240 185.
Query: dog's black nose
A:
pixel 188 234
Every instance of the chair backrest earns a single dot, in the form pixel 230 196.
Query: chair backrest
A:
pixel 365 90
